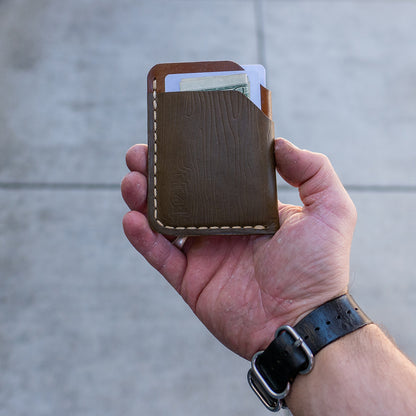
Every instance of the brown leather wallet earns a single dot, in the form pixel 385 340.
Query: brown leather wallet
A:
pixel 211 167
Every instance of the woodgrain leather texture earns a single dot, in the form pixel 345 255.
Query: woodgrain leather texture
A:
pixel 211 166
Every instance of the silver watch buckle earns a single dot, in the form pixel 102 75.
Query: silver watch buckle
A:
pixel 273 400
pixel 299 342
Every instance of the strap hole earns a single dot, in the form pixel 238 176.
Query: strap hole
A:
pixel 339 317
pixel 328 322
pixel 349 312
pixel 356 309
pixel 307 336
pixel 317 329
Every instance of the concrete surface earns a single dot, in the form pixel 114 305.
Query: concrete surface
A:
pixel 86 326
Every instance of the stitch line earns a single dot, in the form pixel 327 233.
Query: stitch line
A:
pixel 225 227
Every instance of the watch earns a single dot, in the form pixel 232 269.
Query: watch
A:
pixel 293 349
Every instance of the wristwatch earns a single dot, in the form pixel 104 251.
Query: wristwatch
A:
pixel 293 349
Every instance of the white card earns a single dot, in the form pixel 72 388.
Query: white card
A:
pixel 256 75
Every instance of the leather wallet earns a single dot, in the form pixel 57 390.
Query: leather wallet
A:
pixel 211 167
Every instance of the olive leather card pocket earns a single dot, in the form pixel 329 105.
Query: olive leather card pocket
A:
pixel 211 167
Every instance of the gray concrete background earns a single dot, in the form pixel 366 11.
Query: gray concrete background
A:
pixel 86 326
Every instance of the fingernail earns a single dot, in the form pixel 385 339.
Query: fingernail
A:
pixel 280 142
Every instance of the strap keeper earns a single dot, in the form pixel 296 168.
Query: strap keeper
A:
pixel 272 399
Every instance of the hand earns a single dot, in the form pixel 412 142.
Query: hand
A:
pixel 244 287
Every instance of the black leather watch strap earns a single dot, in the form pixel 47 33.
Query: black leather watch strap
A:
pixel 281 361
pixel 331 321
pixel 292 350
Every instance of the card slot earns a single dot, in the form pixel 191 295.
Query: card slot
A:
pixel 265 95
pixel 159 71
pixel 211 164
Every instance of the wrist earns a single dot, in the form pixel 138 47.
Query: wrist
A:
pixel 315 304
pixel 293 349
pixel 332 367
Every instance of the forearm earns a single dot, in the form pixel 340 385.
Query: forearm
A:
pixel 363 373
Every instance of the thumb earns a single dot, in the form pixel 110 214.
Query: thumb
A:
pixel 320 189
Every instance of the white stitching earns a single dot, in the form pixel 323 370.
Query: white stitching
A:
pixel 226 227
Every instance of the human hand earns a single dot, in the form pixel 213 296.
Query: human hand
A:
pixel 244 287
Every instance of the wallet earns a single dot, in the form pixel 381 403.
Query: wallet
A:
pixel 211 166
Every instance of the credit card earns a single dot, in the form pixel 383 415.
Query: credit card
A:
pixel 256 76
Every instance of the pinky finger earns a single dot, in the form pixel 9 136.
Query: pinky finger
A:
pixel 156 249
pixel 286 211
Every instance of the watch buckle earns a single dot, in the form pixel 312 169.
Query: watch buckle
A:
pixel 298 343
pixel 273 400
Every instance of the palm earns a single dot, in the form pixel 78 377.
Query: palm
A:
pixel 239 286
pixel 244 287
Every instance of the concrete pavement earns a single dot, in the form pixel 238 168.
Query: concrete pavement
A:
pixel 86 326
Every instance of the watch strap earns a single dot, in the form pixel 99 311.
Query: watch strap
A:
pixel 284 358
pixel 292 350
pixel 331 321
